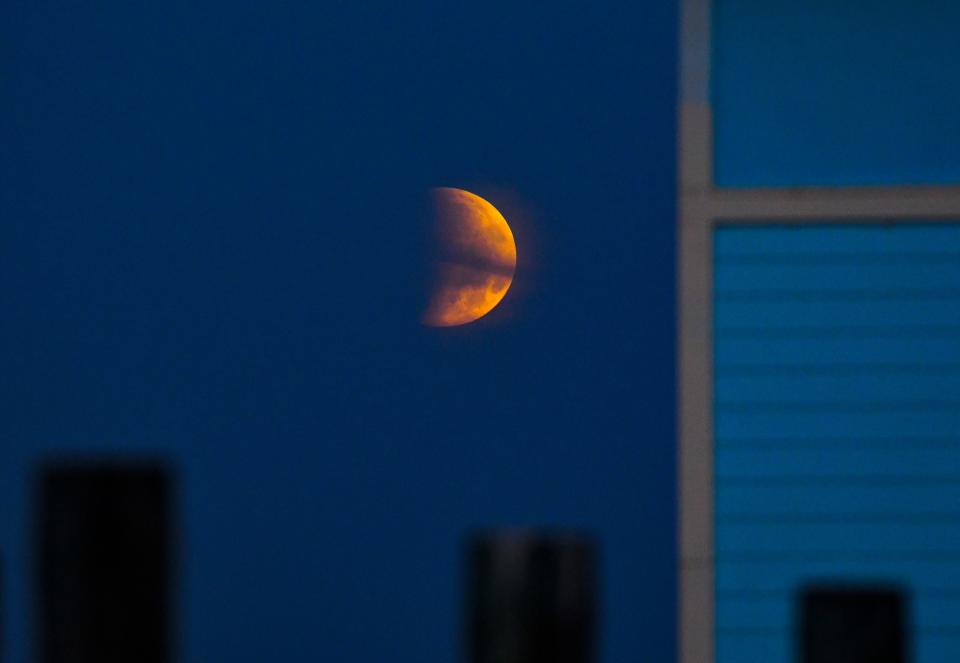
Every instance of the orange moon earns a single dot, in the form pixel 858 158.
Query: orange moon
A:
pixel 478 258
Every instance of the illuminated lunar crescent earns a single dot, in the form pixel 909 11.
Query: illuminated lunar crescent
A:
pixel 478 258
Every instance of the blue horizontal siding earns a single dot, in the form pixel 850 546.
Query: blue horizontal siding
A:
pixel 765 648
pixel 778 647
pixel 919 463
pixel 936 647
pixel 851 350
pixel 780 388
pixel 837 426
pixel 809 242
pixel 905 420
pixel 796 536
pixel 777 312
pixel 936 614
pixel 869 273
pixel 745 575
pixel 857 501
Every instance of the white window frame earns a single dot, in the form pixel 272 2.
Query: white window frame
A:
pixel 702 207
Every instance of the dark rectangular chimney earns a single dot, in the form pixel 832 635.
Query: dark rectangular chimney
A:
pixel 531 598
pixel 104 563
pixel 859 624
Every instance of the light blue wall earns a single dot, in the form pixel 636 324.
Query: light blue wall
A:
pixel 837 418
pixel 836 92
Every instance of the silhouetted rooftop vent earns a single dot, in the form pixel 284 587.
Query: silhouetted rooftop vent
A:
pixel 852 624
pixel 531 598
pixel 104 563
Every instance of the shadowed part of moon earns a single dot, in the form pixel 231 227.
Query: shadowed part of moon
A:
pixel 478 258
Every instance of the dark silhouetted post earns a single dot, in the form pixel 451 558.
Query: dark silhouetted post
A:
pixel 852 624
pixel 104 555
pixel 531 598
pixel 3 642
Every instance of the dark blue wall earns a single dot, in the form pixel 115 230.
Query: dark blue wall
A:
pixel 211 242
pixel 837 369
pixel 836 93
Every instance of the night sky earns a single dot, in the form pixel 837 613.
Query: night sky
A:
pixel 214 248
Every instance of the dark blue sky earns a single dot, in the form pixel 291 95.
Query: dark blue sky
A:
pixel 212 244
